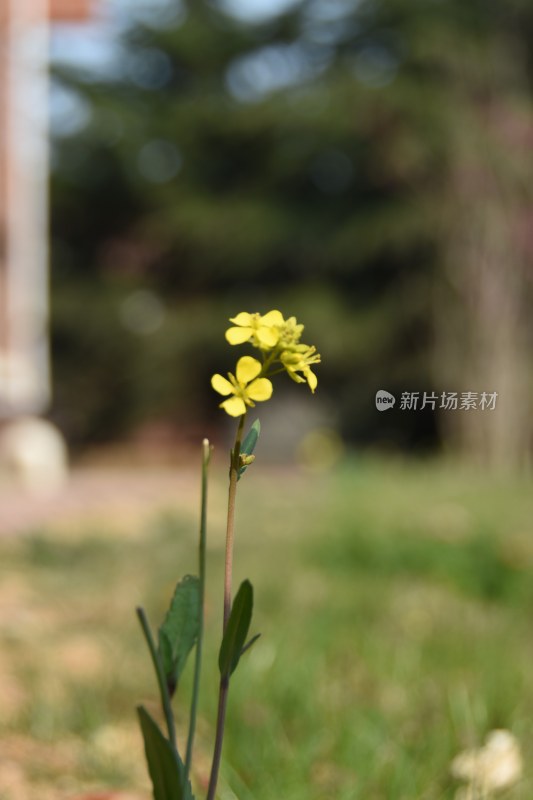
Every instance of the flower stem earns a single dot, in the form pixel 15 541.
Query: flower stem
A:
pixel 219 737
pixel 206 454
pixel 230 527
pixel 224 680
pixel 268 360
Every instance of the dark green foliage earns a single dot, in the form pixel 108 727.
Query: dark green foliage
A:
pixel 237 629
pixel 328 198
pixel 179 631
pixel 164 764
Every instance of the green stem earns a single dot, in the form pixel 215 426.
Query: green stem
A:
pixel 267 362
pixel 224 680
pixel 161 680
pixel 201 561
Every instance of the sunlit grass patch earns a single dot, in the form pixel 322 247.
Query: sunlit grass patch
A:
pixel 395 610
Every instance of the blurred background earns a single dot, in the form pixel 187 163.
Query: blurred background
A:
pixel 366 166
pixel 363 165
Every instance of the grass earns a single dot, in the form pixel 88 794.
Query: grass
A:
pixel 395 605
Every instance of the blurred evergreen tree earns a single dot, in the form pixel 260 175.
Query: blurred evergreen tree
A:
pixel 318 162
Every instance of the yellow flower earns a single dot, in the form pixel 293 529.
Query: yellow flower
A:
pixel 279 339
pixel 298 359
pixel 262 330
pixel 245 386
pixel 290 333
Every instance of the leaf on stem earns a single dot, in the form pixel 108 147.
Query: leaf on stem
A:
pixel 164 763
pixel 248 447
pixel 236 631
pixel 250 643
pixel 179 631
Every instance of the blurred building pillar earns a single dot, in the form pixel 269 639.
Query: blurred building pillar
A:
pixel 32 447
pixel 24 384
pixel 24 361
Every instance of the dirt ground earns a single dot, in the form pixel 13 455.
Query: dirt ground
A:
pixel 94 493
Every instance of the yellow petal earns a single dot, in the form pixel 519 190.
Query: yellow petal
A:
pixel 312 379
pixel 244 318
pixel 260 389
pixel 221 385
pixel 294 375
pixel 248 368
pixel 238 335
pixel 272 318
pixel 268 337
pixel 234 406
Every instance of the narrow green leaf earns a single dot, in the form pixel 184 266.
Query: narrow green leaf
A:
pixel 166 768
pixel 249 443
pixel 179 631
pixel 250 643
pixel 236 630
pixel 160 673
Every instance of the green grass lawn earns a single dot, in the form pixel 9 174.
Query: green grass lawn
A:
pixel 395 604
